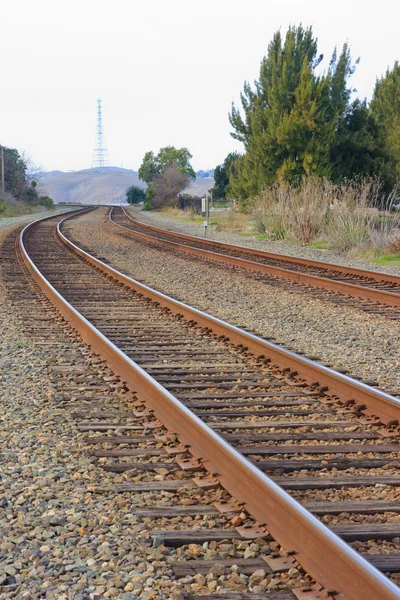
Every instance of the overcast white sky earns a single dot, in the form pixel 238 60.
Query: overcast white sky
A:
pixel 166 70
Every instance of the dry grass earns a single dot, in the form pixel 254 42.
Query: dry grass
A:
pixel 316 212
pixel 232 220
pixel 283 211
pixel 394 244
pixel 344 216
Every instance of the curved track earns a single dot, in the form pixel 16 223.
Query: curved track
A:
pixel 379 288
pixel 259 419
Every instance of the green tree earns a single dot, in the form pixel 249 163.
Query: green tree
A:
pixel 385 109
pixel 135 194
pixel 30 193
pixel 222 175
pixel 358 149
pixel 15 172
pixel 154 165
pixel 149 169
pixel 287 122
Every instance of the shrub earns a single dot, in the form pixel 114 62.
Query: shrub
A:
pixel 2 205
pixel 147 205
pixel 46 201
pixel 135 195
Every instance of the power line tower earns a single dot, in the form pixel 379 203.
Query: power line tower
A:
pixel 100 152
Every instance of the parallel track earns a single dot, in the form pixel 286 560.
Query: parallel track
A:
pixel 381 289
pixel 248 393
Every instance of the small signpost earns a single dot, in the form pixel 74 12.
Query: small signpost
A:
pixel 205 211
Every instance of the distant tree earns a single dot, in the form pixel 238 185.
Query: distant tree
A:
pixel 222 174
pixel 153 166
pixel 135 194
pixel 150 168
pixel 31 194
pixel 15 172
pixel 168 185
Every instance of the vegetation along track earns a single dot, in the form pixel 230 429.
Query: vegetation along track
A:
pixel 379 292
pixel 258 418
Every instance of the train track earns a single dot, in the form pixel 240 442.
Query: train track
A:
pixel 284 436
pixel 381 291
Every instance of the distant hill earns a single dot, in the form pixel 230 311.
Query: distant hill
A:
pixel 107 186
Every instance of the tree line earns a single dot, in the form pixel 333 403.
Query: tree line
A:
pixel 19 181
pixel 295 121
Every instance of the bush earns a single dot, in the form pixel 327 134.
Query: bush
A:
pixel 147 205
pixel 30 194
pixel 2 205
pixel 46 201
pixel 135 195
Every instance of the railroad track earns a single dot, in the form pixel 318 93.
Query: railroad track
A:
pixel 375 292
pixel 269 426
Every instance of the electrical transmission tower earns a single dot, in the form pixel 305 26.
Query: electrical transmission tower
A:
pixel 100 153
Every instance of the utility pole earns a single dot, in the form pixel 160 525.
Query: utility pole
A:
pixel 2 171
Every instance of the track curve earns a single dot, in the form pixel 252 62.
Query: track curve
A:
pixel 382 288
pixel 239 394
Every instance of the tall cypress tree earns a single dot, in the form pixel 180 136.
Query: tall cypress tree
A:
pixel 288 121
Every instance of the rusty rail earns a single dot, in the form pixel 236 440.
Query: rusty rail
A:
pixel 377 403
pixel 358 291
pixel 325 556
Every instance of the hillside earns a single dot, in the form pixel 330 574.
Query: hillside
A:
pixel 101 187
pixel 90 187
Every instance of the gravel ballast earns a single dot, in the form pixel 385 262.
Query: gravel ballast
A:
pixel 65 534
pixel 342 336
pixel 250 241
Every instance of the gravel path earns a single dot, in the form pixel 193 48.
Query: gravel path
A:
pixel 367 345
pixel 282 247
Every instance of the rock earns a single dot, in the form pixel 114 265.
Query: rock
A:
pixel 256 577
pixel 217 570
pixel 199 579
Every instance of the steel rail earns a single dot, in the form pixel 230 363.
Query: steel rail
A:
pixel 377 275
pixel 327 558
pixel 376 402
pixel 351 289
